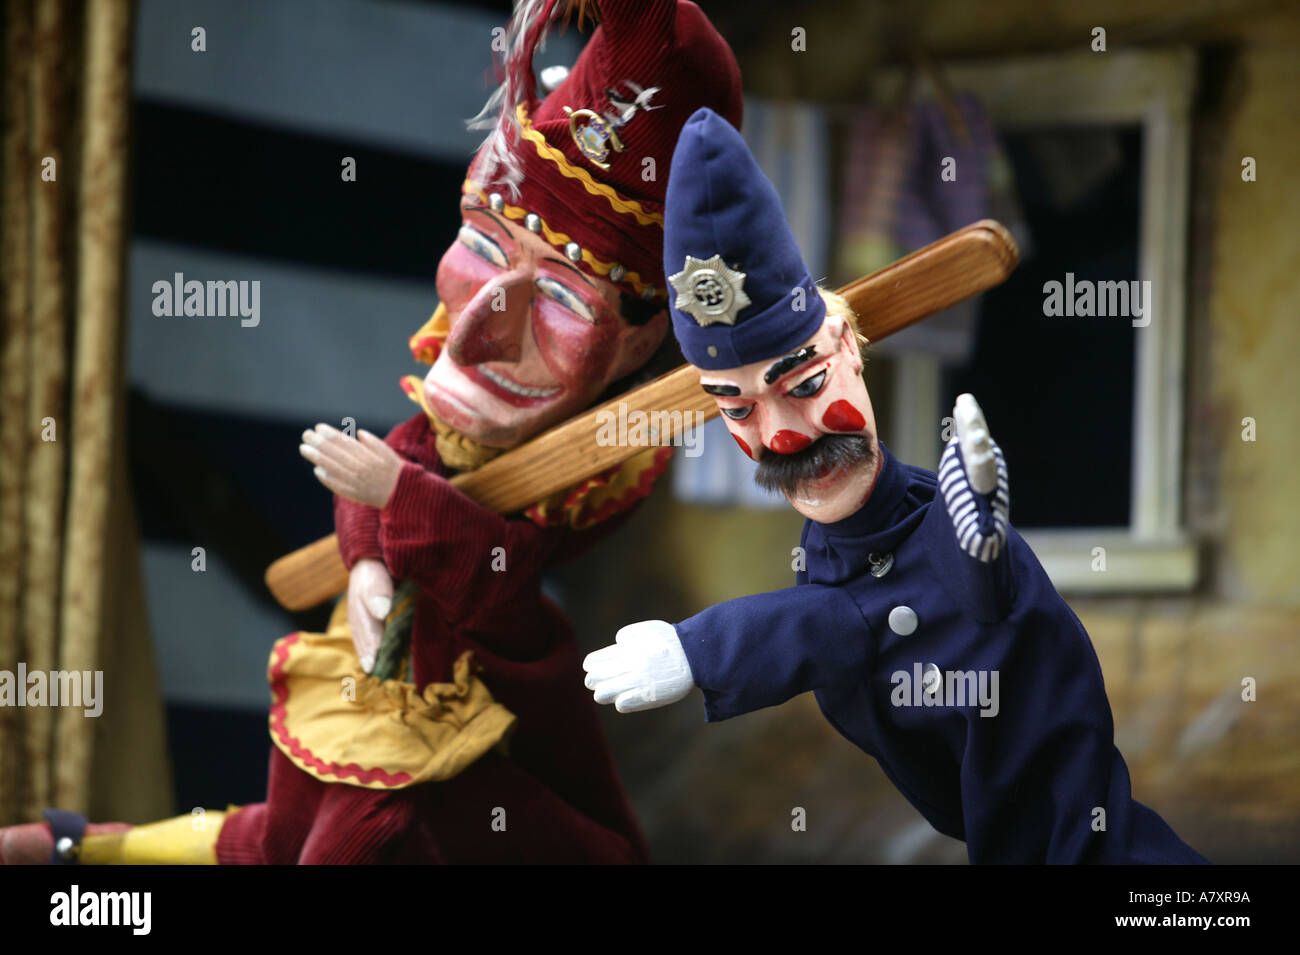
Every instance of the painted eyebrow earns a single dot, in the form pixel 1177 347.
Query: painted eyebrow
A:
pixel 487 212
pixel 789 363
pixel 485 237
pixel 726 391
pixel 575 270
pixel 557 261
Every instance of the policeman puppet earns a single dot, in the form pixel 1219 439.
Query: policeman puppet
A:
pixel 924 625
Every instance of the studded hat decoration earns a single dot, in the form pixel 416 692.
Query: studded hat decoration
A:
pixel 586 165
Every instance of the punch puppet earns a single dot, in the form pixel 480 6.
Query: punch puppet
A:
pixel 929 633
pixel 486 748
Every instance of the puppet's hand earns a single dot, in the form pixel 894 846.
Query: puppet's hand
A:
pixel 973 483
pixel 644 668
pixel 370 597
pixel 976 444
pixel 364 470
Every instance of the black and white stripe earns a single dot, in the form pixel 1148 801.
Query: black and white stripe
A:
pixel 979 520
pixel 236 175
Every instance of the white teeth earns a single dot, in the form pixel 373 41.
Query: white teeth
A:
pixel 514 388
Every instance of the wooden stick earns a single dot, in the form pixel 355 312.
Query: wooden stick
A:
pixel 965 263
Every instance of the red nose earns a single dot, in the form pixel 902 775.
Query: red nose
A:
pixel 788 442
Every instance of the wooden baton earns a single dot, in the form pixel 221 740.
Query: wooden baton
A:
pixel 965 263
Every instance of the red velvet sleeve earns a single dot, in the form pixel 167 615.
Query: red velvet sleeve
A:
pixel 357 525
pixel 466 558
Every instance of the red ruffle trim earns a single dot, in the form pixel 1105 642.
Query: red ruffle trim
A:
pixel 280 695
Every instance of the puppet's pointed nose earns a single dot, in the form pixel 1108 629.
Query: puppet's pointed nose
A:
pixel 492 325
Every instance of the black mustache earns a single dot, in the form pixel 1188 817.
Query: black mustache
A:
pixel 785 472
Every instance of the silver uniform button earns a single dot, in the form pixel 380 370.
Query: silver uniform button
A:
pixel 880 565
pixel 902 620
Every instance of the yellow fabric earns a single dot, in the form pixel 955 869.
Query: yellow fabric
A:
pixel 183 840
pixel 427 342
pixel 455 449
pixel 560 240
pixel 596 498
pixel 547 151
pixel 340 725
pixel 582 505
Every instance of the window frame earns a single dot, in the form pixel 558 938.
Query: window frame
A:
pixel 1152 89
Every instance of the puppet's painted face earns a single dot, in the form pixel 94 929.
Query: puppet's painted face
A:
pixel 807 419
pixel 532 339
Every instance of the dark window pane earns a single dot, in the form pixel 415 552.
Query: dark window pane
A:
pixel 1058 392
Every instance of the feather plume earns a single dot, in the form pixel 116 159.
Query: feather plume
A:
pixel 525 35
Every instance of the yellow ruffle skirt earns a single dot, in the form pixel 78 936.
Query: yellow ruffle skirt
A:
pixel 342 726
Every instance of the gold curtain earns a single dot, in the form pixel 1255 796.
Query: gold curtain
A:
pixel 71 592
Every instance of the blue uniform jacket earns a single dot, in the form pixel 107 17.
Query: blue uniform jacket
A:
pixel 1023 784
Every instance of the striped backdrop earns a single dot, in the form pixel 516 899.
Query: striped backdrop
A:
pixel 238 155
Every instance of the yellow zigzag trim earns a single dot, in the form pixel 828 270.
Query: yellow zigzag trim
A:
pixel 547 151
pixel 560 240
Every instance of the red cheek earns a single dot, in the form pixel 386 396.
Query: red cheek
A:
pixel 577 353
pixel 788 442
pixel 743 446
pixel 842 416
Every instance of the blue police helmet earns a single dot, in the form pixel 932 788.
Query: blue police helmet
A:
pixel 739 290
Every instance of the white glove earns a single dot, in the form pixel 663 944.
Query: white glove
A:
pixel 643 669
pixel 975 493
pixel 976 444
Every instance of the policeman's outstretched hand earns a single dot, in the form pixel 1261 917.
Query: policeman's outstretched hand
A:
pixel 973 484
pixel 643 669
pixel 976 444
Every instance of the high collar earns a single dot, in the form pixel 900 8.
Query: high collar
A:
pixel 880 505
pixel 455 450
